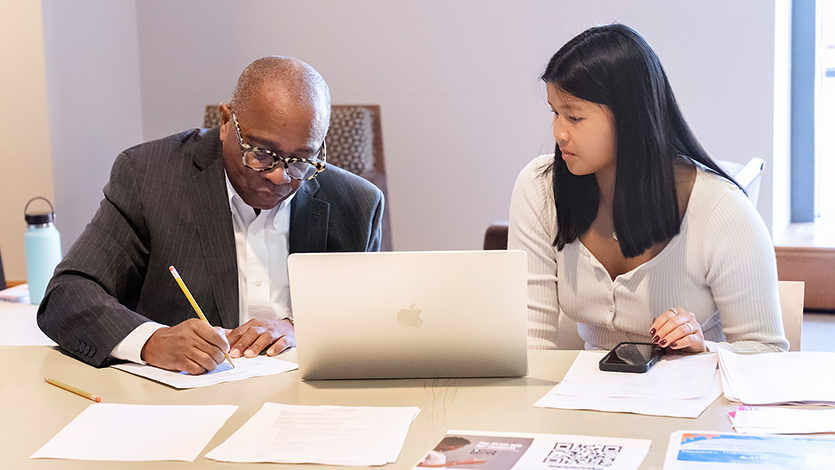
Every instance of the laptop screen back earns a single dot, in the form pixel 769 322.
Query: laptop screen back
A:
pixel 410 314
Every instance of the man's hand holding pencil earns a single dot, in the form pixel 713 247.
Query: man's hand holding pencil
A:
pixel 192 346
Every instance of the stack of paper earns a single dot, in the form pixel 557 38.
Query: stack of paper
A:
pixel 773 420
pixel 778 378
pixel 681 386
pixel 331 435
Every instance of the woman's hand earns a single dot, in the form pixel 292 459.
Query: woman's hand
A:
pixel 678 329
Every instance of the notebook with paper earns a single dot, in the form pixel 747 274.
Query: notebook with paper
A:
pixel 410 314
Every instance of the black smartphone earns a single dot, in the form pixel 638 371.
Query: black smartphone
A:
pixel 632 357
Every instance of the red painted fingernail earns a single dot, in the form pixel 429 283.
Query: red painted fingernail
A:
pixel 663 342
pixel 655 340
pixel 672 345
pixel 652 332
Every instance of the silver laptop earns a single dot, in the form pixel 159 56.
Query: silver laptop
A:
pixel 410 314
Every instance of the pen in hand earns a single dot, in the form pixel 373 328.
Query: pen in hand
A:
pixel 194 304
pixel 72 389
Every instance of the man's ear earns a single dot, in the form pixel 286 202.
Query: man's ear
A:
pixel 225 120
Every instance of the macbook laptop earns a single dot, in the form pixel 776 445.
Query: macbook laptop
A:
pixel 410 314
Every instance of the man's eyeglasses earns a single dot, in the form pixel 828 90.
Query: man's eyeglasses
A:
pixel 258 159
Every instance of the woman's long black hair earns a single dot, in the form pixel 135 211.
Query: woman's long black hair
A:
pixel 614 66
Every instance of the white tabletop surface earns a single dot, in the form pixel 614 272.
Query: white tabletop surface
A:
pixel 32 411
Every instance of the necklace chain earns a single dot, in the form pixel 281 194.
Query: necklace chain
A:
pixel 608 208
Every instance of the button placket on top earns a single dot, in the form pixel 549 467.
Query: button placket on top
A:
pixel 257 267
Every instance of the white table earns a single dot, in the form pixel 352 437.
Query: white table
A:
pixel 32 411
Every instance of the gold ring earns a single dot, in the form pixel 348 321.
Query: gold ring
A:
pixel 674 310
pixel 689 329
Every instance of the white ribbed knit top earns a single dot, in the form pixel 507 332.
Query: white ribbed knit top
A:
pixel 721 267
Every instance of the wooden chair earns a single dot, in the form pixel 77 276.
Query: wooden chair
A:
pixel 355 143
pixel 791 304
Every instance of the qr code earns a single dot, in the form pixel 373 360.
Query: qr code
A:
pixel 582 456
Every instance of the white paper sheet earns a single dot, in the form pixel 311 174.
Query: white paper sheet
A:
pixel 701 450
pixel 781 420
pixel 522 451
pixel 776 378
pixel 673 377
pixel 333 435
pixel 109 431
pixel 607 393
pixel 244 369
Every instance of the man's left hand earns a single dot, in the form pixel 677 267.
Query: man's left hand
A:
pixel 254 336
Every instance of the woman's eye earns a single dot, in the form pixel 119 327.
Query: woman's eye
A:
pixel 575 119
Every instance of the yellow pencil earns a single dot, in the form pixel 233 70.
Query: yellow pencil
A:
pixel 194 304
pixel 72 389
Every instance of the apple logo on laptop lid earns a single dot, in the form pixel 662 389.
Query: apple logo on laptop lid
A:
pixel 410 317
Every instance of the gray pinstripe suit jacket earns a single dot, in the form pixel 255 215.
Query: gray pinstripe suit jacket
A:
pixel 166 204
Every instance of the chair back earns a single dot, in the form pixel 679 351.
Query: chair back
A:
pixel 211 116
pixel 748 175
pixel 791 305
pixel 355 143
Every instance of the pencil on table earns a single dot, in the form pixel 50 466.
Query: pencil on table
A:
pixel 194 304
pixel 72 389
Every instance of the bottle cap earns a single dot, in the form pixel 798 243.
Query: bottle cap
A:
pixel 41 218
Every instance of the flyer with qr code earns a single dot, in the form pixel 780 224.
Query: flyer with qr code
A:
pixel 481 450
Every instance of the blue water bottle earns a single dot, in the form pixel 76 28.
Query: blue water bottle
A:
pixel 43 250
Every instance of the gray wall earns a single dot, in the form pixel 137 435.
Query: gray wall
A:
pixel 92 67
pixel 463 110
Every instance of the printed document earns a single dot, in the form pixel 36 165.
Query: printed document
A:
pixel 680 386
pixel 701 450
pixel 244 369
pixel 109 431
pixel 331 435
pixel 481 450
pixel 781 420
pixel 778 378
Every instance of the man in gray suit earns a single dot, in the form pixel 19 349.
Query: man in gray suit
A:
pixel 225 207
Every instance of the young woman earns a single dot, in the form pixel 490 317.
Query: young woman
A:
pixel 631 229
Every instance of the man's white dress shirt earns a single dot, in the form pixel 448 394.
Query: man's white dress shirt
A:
pixel 262 247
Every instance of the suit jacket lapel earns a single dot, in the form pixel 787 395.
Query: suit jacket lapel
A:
pixel 207 190
pixel 308 220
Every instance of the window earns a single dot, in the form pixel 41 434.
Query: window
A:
pixel 825 114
